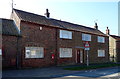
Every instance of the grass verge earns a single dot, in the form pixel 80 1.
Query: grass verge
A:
pixel 92 66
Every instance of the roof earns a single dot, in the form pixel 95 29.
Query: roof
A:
pixel 9 27
pixel 115 37
pixel 77 27
pixel 39 19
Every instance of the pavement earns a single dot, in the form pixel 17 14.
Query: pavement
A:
pixel 60 73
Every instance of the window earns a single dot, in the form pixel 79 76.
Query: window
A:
pixel 34 52
pixel 65 34
pixel 101 53
pixel 101 39
pixel 65 52
pixel 86 37
pixel 0 51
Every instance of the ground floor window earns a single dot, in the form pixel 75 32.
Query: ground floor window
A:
pixel 101 53
pixel 65 52
pixel 0 51
pixel 34 52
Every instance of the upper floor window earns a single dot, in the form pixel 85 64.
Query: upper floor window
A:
pixel 65 52
pixel 65 34
pixel 86 37
pixel 34 52
pixel 101 39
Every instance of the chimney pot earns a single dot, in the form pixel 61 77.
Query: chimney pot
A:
pixel 96 26
pixel 47 13
pixel 107 31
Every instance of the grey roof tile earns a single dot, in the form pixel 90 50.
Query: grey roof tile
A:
pixel 39 19
pixel 9 27
pixel 115 37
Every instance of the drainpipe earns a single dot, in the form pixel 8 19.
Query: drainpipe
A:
pixel 18 54
pixel 56 54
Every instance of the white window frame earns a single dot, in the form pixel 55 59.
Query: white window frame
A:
pixel 65 34
pixel 101 39
pixel 86 37
pixel 65 53
pixel 34 52
pixel 101 53
pixel 0 51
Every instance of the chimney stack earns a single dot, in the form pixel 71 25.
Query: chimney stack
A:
pixel 96 26
pixel 107 31
pixel 47 13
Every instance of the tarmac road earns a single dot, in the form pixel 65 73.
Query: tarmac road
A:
pixel 59 73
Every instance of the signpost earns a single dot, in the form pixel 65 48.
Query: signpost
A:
pixel 87 48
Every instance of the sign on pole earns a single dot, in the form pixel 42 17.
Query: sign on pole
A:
pixel 87 48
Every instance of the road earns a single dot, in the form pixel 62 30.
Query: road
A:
pixel 59 73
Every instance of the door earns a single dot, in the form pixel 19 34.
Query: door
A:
pixel 79 56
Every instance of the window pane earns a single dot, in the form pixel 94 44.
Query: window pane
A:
pixel 41 52
pixel 86 37
pixel 70 35
pixel 65 52
pixel 101 53
pixel 27 53
pixel 65 34
pixel 0 52
pixel 101 39
pixel 34 52
pixel 83 36
pixel 61 34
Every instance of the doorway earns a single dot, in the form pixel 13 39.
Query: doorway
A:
pixel 80 55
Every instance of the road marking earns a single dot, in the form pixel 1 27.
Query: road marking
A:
pixel 113 75
pixel 72 76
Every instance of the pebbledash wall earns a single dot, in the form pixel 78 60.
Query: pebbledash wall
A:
pixel 118 50
pixel 51 44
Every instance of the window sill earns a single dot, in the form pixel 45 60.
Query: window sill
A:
pixel 101 57
pixel 64 57
pixel 101 43
pixel 33 58
pixel 65 39
pixel 85 41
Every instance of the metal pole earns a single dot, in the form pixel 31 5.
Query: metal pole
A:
pixel 87 59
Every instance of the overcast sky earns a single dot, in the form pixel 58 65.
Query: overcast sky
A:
pixel 104 12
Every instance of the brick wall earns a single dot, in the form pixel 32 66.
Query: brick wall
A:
pixel 65 43
pixel 33 36
pixel 76 43
pixel 49 39
pixel 9 50
pixel 95 46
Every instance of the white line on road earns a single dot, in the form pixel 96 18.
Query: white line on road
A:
pixel 113 75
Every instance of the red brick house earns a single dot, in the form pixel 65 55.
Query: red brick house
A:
pixel 9 45
pixel 45 41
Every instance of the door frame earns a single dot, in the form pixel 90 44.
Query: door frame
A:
pixel 80 55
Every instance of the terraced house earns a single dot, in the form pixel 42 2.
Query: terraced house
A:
pixel 114 46
pixel 45 41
